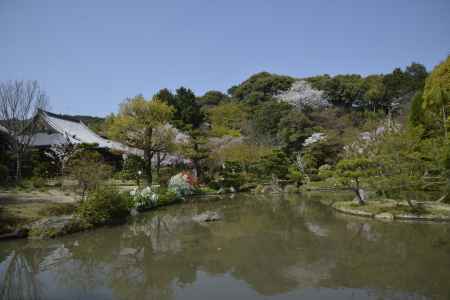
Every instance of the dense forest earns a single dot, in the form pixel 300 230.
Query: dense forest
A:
pixel 383 130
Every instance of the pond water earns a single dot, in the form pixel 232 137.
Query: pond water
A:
pixel 265 247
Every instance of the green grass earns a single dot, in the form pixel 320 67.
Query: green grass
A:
pixel 397 208
pixel 14 215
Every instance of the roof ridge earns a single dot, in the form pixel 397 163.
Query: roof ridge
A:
pixel 60 116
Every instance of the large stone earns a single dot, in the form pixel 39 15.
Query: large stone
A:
pixel 290 189
pixel 134 212
pixel 54 226
pixel 271 189
pixel 16 234
pixel 208 216
pixel 385 216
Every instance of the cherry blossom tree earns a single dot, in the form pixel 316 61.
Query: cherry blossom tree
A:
pixel 301 95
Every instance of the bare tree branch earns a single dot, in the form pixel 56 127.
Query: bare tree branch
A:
pixel 19 103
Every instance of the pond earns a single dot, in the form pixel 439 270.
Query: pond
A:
pixel 265 247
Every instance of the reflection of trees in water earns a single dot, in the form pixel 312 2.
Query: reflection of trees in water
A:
pixel 275 245
pixel 142 263
pixel 276 239
pixel 391 257
pixel 19 274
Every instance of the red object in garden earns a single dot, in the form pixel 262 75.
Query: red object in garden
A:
pixel 191 179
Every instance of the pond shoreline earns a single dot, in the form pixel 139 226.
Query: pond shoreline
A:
pixel 391 210
pixel 61 225
pixel 50 227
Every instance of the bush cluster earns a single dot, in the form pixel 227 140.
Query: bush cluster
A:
pixel 105 205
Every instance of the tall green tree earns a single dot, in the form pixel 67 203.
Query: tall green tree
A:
pixel 261 87
pixel 436 94
pixel 227 118
pixel 196 149
pixel 408 162
pixel 375 91
pixel 416 74
pixel 212 98
pixel 395 84
pixel 188 114
pixel 165 95
pixel 344 90
pixel 417 114
pixel 294 128
pixel 139 124
pixel 265 121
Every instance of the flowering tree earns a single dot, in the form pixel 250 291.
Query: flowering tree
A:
pixel 182 184
pixel 302 95
pixel 314 138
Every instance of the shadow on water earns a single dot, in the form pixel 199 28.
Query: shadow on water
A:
pixel 282 247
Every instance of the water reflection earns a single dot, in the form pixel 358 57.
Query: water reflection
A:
pixel 283 247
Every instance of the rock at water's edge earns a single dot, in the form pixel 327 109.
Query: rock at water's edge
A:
pixel 385 216
pixel 208 216
pixel 53 226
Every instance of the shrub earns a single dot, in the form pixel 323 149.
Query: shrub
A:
pixel 146 198
pixel 296 175
pixel 207 190
pixel 167 197
pixel 182 184
pixel 231 174
pixel 89 170
pixel 276 163
pixel 38 182
pixel 104 205
pixel 150 197
pixel 325 171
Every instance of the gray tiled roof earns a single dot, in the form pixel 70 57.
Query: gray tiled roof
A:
pixel 3 129
pixel 75 133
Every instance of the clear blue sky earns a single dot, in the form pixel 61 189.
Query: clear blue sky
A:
pixel 90 54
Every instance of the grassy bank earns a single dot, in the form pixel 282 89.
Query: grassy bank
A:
pixel 396 210
pixel 14 215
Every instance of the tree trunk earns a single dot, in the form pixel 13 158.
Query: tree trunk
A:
pixel 18 166
pixel 148 155
pixel 158 164
pixel 444 120
pixel 413 207
pixel 358 196
pixel 196 168
pixel 196 163
pixel 62 175
pixel 358 193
